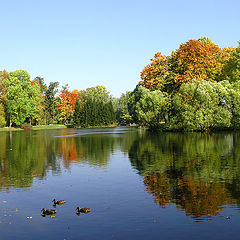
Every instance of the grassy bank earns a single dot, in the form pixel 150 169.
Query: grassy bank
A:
pixel 53 126
pixel 40 127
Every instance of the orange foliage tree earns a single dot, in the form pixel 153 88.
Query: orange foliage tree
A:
pixel 154 74
pixel 67 104
pixel 196 59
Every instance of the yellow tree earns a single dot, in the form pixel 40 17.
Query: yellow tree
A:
pixel 154 74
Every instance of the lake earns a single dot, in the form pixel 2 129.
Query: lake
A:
pixel 139 185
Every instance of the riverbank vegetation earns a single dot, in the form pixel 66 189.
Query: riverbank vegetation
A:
pixel 196 88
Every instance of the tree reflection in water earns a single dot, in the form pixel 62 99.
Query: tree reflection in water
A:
pixel 199 173
pixel 28 155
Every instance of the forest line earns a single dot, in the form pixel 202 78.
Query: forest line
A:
pixel 196 88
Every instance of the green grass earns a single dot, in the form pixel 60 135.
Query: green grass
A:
pixel 53 126
pixel 7 129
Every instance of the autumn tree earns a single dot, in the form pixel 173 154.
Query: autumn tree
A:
pixel 196 59
pixel 3 98
pixel 67 105
pixel 2 116
pixel 154 74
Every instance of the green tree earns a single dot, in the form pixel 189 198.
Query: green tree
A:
pixel 96 107
pixel 122 113
pixel 205 105
pixel 151 109
pixel 148 108
pixel 20 103
pixel 51 102
pixel 231 70
pixel 77 114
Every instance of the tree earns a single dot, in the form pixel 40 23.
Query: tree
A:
pixel 231 70
pixel 77 114
pixel 122 113
pixel 3 97
pixel 2 116
pixel 197 59
pixel 51 102
pixel 99 93
pixel 205 105
pixel 96 107
pixel 67 104
pixel 20 102
pixel 154 74
pixel 148 108
pixel 39 116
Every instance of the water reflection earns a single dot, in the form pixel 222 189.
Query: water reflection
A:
pixel 198 173
pixel 28 155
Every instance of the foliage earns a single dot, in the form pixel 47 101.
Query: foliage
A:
pixel 77 114
pixel 154 74
pixel 3 89
pixel 98 93
pixel 231 70
pixel 151 109
pixel 96 113
pixel 122 113
pixel 2 116
pixel 51 102
pixel 198 172
pixel 39 116
pixel 205 105
pixel 148 108
pixel 66 106
pixel 20 102
pixel 196 59
pixel 96 107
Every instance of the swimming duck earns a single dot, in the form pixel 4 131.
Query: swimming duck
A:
pixel 48 211
pixel 83 210
pixel 58 202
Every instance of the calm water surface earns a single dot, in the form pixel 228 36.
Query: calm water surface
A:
pixel 139 185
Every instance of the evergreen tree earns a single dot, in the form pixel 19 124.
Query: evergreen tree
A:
pixel 77 114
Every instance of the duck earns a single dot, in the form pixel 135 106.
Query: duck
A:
pixel 55 202
pixel 48 211
pixel 83 210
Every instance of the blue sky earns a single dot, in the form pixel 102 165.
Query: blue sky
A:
pixel 89 43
